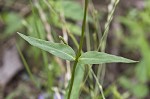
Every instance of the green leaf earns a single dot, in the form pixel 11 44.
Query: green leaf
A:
pixel 94 57
pixel 140 90
pixel 13 23
pixel 61 50
pixel 72 10
pixel 30 24
pixel 141 71
pixel 75 29
pixel 79 74
pixel 125 82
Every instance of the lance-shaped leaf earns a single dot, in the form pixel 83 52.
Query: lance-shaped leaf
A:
pixel 60 50
pixel 94 57
pixel 79 74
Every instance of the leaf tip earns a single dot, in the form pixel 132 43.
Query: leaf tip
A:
pixel 132 61
pixel 135 61
pixel 22 35
pixel 18 33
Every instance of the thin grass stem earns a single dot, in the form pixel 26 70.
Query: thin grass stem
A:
pixel 100 87
pixel 26 66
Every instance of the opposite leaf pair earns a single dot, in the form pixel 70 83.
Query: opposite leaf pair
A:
pixel 66 52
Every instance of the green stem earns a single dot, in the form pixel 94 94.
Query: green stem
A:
pixel 80 48
pixel 83 29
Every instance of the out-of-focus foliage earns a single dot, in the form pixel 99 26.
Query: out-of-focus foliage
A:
pixel 33 25
pixel 71 10
pixel 13 23
pixel 138 23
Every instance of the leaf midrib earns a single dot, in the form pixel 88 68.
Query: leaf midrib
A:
pixel 98 59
